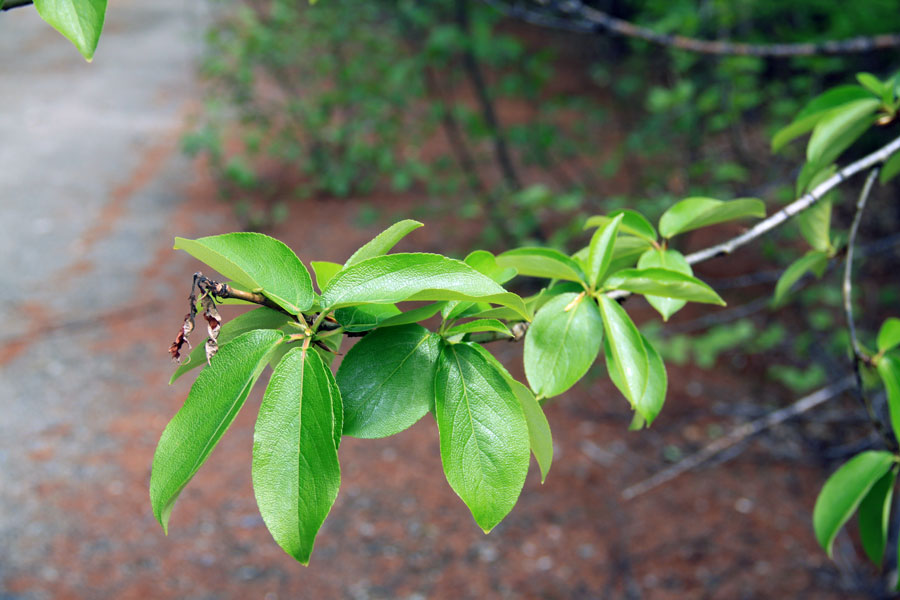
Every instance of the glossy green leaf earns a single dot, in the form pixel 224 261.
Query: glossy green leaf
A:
pixel 541 262
pixel 811 262
pixel 478 325
pixel 648 407
pixel 888 368
pixel 296 474
pixel 211 406
pixel 80 21
pixel 844 490
pixel 633 223
pixel 260 318
pixel 601 251
pixel 383 242
pixel 874 515
pixel 890 169
pixel 889 335
pixel 561 345
pixel 257 262
pixel 486 263
pixel 485 446
pixel 324 271
pixel 693 213
pixel 814 111
pixel 337 406
pixel 666 259
pixel 397 277
pixel 815 225
pixel 415 315
pixel 872 83
pixel 833 128
pixel 387 380
pixel 629 358
pixel 365 316
pixel 667 283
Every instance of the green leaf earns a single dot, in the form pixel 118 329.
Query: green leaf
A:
pixel 485 447
pixel 890 169
pixel 629 358
pixel 337 405
pixel 561 345
pixel 296 473
pixel 541 262
pixel 397 277
pixel 813 261
pixel 888 368
pixel 633 223
pixel 667 283
pixel 324 271
pixel 80 21
pixel 486 263
pixel 260 318
pixel 478 325
pixel 651 401
pixel 889 335
pixel 874 515
pixel 693 213
pixel 815 225
pixel 844 490
pixel 601 250
pixel 258 262
pixel 415 315
pixel 666 259
pixel 365 316
pixel 833 129
pixel 815 110
pixel 211 406
pixel 872 83
pixel 383 242
pixel 387 380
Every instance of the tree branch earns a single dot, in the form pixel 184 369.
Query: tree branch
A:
pixel 10 4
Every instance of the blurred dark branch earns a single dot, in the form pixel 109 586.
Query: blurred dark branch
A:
pixel 574 15
pixel 9 4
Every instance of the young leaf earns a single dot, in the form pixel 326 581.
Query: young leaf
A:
pixel 815 225
pixel 478 325
pixel 663 282
pixel 874 516
pixel 397 277
pixel 485 445
pixel 813 261
pixel 601 250
pixel 651 401
pixel 80 21
pixel 626 348
pixel 693 213
pixel 888 368
pixel 889 335
pixel 324 271
pixel 633 223
pixel 834 127
pixel 872 83
pixel 260 318
pixel 365 316
pixel 890 169
pixel 383 242
pixel 666 259
pixel 213 402
pixel 486 263
pixel 387 380
pixel 561 345
pixel 296 474
pixel 541 262
pixel 844 490
pixel 258 262
pixel 815 110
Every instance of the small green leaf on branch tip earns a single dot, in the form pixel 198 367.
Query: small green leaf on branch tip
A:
pixel 666 259
pixel 383 242
pixel 889 335
pixel 888 368
pixel 296 473
pixel 817 108
pixel 843 492
pixel 874 516
pixel 813 262
pixel 478 325
pixel 561 345
pixel 324 271
pixel 666 283
pixel 839 128
pixel 485 444
pixel 693 213
pixel 212 404
pixel 541 262
pixel 872 83
pixel 890 169
pixel 387 380
pixel 630 364
pixel 394 278
pixel 80 21
pixel 260 318
pixel 601 251
pixel 633 223
pixel 258 262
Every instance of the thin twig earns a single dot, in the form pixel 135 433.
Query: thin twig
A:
pixel 736 436
pixel 573 15
pixel 10 4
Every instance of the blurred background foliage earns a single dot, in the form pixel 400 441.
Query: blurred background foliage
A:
pixel 524 131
